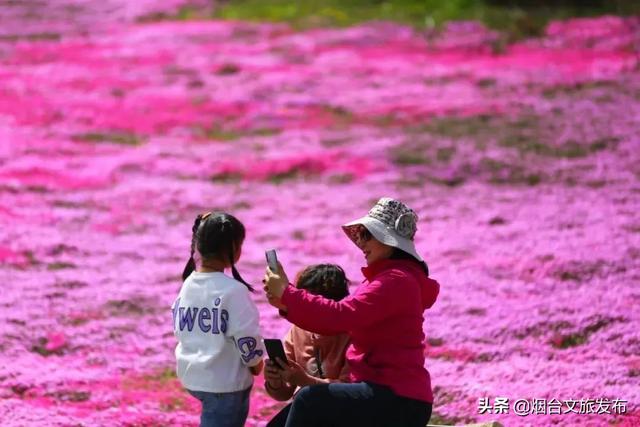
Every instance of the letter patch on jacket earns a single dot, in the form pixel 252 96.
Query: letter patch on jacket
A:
pixel 247 347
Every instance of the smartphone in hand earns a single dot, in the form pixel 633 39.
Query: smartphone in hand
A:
pixel 272 260
pixel 275 349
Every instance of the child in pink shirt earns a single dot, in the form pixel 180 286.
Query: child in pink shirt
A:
pixel 312 358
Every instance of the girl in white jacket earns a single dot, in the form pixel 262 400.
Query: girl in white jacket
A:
pixel 216 323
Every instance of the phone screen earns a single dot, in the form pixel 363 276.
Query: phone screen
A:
pixel 272 260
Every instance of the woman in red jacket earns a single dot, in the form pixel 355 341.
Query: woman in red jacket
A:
pixel 389 385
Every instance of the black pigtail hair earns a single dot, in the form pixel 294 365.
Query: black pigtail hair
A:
pixel 216 235
pixel 238 277
pixel 227 228
pixel 191 263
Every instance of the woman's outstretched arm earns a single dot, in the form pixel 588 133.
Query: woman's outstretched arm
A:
pixel 371 303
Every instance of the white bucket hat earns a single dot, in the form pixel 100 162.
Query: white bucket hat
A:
pixel 391 222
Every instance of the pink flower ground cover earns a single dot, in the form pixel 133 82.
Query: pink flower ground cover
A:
pixel 522 161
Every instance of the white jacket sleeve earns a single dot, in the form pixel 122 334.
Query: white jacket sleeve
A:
pixel 243 326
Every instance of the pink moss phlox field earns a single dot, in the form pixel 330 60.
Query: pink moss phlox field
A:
pixel 307 164
pixel 118 125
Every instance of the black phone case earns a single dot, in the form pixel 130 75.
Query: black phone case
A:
pixel 275 349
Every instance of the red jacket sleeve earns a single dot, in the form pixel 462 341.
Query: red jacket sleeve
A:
pixel 373 302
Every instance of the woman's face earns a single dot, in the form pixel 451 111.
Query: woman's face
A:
pixel 373 249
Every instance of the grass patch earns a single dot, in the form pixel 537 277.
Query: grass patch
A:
pixel 497 220
pixel 341 178
pixel 334 142
pixel 162 375
pixel 445 420
pixel 130 307
pixel 500 172
pixel 320 13
pixel 564 341
pixel 115 137
pixel 539 329
pixel 581 271
pixel 456 127
pixel 218 132
pixel 227 177
pixel 20 389
pixel 486 83
pixel 453 181
pixel 55 266
pixel 71 395
pixel 32 37
pixel 40 347
pixel 292 174
pixel 72 284
pixel 184 13
pixel 339 117
pixel 435 342
pixel 523 18
pixel 570 340
pixel 445 154
pixel 534 143
pixel 443 396
pixel 407 156
pixel 476 311
pixel 580 88
pixel 516 18
pixel 228 70
pixel 298 235
pixel 528 134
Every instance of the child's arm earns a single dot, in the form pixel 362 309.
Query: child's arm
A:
pixel 256 369
pixel 243 326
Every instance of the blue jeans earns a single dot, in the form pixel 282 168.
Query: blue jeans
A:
pixel 353 405
pixel 223 409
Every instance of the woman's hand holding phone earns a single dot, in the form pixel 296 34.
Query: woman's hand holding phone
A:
pixel 273 374
pixel 294 374
pixel 275 302
pixel 275 282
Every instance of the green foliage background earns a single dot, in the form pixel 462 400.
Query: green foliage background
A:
pixel 517 17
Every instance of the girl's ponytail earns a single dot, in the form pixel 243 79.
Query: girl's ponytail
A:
pixel 227 230
pixel 191 263
pixel 216 234
pixel 236 275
